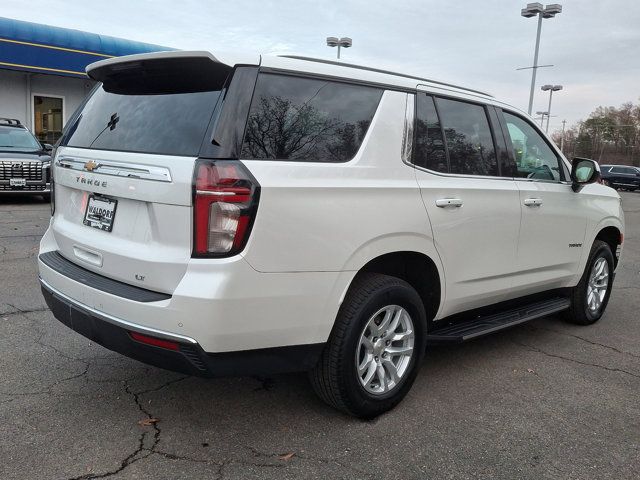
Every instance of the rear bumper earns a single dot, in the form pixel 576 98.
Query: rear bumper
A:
pixel 189 357
pixel 224 304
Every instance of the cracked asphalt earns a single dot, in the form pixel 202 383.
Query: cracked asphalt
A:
pixel 546 400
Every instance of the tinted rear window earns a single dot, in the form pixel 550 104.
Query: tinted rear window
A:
pixel 303 119
pixel 172 124
pixel 430 151
pixel 468 137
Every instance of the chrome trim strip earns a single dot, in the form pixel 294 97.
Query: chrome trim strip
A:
pixel 486 177
pixel 118 321
pixel 117 169
pixel 407 139
pixel 209 192
pixel 459 175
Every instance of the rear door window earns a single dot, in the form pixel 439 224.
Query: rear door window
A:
pixel 429 151
pixel 468 138
pixel 307 119
pixel 171 124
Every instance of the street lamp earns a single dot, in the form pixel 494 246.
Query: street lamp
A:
pixel 551 88
pixel 542 115
pixel 344 42
pixel 532 10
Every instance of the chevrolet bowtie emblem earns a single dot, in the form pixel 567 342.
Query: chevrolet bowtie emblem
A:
pixel 90 166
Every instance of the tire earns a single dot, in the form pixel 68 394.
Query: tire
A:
pixel 581 312
pixel 372 298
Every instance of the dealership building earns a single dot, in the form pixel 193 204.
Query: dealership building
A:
pixel 42 79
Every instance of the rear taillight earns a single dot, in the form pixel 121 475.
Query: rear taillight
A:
pixel 52 194
pixel 224 206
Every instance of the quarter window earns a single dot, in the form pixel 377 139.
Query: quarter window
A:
pixel 534 157
pixel 303 119
pixel 468 138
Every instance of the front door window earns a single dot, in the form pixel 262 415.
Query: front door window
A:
pixel 534 157
pixel 47 115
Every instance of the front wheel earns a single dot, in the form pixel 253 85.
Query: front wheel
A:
pixel 375 348
pixel 590 297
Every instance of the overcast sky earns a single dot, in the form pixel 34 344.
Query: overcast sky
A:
pixel 594 45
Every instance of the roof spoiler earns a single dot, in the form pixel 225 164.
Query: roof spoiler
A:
pixel 160 73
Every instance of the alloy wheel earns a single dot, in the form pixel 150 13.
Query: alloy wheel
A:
pixel 385 349
pixel 597 285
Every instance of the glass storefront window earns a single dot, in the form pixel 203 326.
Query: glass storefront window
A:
pixel 47 116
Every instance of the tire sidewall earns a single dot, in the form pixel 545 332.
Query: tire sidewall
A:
pixel 407 298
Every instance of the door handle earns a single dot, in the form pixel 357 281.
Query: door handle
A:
pixel 533 202
pixel 448 202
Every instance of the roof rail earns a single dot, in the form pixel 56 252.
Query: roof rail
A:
pixel 10 121
pixel 387 72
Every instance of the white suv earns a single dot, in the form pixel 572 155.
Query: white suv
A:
pixel 284 213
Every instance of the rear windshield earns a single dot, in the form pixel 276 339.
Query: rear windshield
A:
pixel 14 139
pixel 173 124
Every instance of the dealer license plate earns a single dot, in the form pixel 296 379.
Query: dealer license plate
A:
pixel 100 213
pixel 17 182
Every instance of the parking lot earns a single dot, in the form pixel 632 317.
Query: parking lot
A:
pixel 545 400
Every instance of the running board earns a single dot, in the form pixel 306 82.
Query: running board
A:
pixel 483 325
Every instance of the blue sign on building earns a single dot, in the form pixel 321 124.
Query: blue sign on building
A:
pixel 31 47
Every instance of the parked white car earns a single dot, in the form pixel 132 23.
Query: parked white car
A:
pixel 286 213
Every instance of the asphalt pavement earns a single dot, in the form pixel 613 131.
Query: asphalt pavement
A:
pixel 546 400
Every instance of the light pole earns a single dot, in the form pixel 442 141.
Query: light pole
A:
pixel 344 42
pixel 551 88
pixel 542 115
pixel 532 10
pixel 562 138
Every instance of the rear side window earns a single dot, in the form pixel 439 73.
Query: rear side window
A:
pixel 626 170
pixel 429 149
pixel 468 138
pixel 304 119
pixel 172 124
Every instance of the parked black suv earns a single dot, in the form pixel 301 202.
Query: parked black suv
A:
pixel 25 163
pixel 620 176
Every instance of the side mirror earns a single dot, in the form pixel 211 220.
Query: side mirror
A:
pixel 583 172
pixel 47 147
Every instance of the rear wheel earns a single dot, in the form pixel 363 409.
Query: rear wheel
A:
pixel 590 297
pixel 375 349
